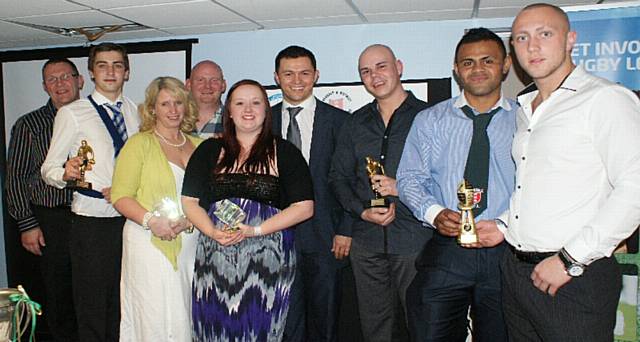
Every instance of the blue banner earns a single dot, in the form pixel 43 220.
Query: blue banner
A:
pixel 609 44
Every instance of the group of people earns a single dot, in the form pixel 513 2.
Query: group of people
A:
pixel 244 236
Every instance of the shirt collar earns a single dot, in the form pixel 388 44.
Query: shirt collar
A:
pixel 574 80
pixel 409 102
pixel 307 104
pixel 101 99
pixel 461 101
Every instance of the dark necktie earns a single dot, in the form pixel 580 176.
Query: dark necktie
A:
pixel 118 119
pixel 293 130
pixel 477 169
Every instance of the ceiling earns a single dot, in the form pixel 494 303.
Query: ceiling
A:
pixel 37 23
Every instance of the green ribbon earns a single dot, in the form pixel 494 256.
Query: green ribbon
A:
pixel 23 301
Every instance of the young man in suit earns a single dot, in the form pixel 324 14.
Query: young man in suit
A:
pixel 312 126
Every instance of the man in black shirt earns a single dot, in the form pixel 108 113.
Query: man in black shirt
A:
pixel 41 211
pixel 383 243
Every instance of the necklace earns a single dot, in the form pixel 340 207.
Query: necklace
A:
pixel 178 145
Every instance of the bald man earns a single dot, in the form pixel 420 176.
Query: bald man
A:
pixel 207 84
pixel 577 186
pixel 384 242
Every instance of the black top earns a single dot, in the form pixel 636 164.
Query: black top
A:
pixel 30 140
pixel 364 134
pixel 257 187
pixel 293 182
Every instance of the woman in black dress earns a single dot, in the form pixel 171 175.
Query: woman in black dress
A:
pixel 242 278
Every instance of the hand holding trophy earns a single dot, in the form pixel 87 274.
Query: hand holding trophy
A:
pixel 230 214
pixel 468 198
pixel 375 168
pixel 85 152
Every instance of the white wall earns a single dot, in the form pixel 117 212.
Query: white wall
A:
pixel 426 48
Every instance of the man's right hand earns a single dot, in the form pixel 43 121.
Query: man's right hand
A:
pixel 32 240
pixel 381 216
pixel 72 169
pixel 448 222
pixel 488 233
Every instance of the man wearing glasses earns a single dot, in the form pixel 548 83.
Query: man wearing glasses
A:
pixel 42 212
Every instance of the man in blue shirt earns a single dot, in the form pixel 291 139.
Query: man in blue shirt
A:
pixel 467 137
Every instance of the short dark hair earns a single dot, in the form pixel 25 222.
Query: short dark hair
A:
pixel 104 47
pixel 60 60
pixel 479 34
pixel 294 51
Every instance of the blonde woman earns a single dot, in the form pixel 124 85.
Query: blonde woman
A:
pixel 158 242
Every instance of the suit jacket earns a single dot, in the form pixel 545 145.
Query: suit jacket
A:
pixel 316 234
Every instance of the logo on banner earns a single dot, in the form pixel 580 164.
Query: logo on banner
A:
pixel 339 99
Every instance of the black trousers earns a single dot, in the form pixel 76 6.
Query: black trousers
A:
pixel 55 266
pixel 583 310
pixel 315 297
pixel 450 280
pixel 96 254
pixel 382 280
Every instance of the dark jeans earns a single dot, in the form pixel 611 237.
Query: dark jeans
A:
pixel 315 298
pixel 96 254
pixel 583 310
pixel 450 280
pixel 55 265
pixel 382 280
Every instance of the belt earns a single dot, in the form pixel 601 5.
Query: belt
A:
pixel 530 257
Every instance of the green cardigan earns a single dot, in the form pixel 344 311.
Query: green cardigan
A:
pixel 143 173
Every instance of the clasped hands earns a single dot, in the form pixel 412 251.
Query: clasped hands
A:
pixel 167 229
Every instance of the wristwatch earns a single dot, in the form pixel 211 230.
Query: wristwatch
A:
pixel 572 267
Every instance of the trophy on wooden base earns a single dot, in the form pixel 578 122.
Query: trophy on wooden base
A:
pixel 375 168
pixel 86 153
pixel 468 199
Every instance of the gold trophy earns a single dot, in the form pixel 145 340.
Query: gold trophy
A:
pixel 86 153
pixel 468 198
pixel 375 168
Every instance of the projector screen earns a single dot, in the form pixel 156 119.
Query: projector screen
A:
pixel 23 81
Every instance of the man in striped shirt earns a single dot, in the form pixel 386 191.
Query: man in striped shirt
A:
pixel 207 84
pixel 42 212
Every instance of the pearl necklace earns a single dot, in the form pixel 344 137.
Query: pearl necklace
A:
pixel 178 145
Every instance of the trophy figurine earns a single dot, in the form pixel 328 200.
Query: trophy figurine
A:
pixel 468 198
pixel 230 214
pixel 375 168
pixel 86 153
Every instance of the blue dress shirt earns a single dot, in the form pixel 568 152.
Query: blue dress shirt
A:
pixel 435 154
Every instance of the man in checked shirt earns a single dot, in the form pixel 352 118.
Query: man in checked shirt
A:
pixel 43 212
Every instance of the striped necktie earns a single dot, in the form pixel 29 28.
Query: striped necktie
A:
pixel 118 119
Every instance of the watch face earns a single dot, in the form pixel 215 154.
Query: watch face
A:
pixel 575 270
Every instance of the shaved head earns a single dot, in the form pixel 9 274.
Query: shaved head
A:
pixel 562 15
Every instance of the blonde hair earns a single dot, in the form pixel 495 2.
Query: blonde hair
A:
pixel 176 88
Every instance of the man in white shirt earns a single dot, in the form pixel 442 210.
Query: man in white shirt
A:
pixel 104 120
pixel 577 190
pixel 207 84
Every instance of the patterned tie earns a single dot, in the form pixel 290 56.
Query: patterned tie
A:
pixel 477 169
pixel 293 130
pixel 118 119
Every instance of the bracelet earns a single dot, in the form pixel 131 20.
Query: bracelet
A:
pixel 257 230
pixel 190 229
pixel 145 219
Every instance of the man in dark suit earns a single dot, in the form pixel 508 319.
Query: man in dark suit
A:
pixel 312 126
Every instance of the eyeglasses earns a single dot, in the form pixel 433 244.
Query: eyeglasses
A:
pixel 62 78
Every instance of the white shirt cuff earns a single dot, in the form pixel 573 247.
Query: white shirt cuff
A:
pixel 432 213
